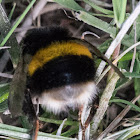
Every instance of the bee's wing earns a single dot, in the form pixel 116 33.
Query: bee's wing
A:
pixel 97 52
pixel 18 86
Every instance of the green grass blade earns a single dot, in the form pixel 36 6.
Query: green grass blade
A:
pixel 4 106
pixel 137 79
pixel 22 133
pixel 70 132
pixel 5 27
pixel 122 11
pixel 102 15
pixel 4 85
pixel 4 92
pixel 121 132
pixel 96 22
pixel 119 8
pixel 58 121
pixel 135 138
pixel 71 4
pixel 88 18
pixel 128 56
pixel 129 134
pixel 125 102
pixel 116 10
pixel 132 75
pixel 12 11
pixel 4 97
pixel 98 8
pixel 17 23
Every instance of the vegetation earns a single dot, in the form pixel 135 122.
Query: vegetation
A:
pixel 117 24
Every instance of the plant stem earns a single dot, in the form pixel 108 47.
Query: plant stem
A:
pixel 104 101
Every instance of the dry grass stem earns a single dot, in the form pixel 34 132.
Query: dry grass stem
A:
pixel 104 101
pixel 117 119
pixel 115 61
pixel 135 40
pixel 88 33
pixel 6 75
pixel 49 8
pixel 5 47
pixel 127 24
pixel 32 16
pixel 61 127
pixel 114 56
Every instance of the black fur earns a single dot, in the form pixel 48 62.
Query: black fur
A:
pixel 62 71
pixel 42 37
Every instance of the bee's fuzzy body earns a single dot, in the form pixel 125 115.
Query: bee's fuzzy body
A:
pixel 61 71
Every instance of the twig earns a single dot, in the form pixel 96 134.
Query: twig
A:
pixel 61 127
pixel 39 21
pixel 84 126
pixel 7 138
pixel 32 16
pixel 114 56
pixel 127 24
pixel 49 8
pixel 5 47
pixel 133 60
pixel 135 40
pixel 6 75
pixel 88 33
pixel 24 28
pixel 80 133
pixel 103 104
pixel 117 119
pixel 81 122
pixel 102 3
pixel 85 114
pixel 122 132
pixel 70 17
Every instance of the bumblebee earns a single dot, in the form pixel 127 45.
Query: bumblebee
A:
pixel 61 71
pixel 57 69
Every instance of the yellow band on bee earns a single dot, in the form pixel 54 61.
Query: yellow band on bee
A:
pixel 55 50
